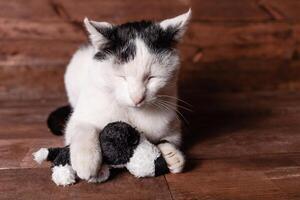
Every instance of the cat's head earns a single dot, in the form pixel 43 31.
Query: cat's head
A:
pixel 136 61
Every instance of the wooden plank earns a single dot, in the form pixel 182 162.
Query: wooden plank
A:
pixel 33 79
pixel 37 49
pixel 27 118
pixel 17 153
pixel 13 29
pixel 37 10
pixel 228 10
pixel 238 76
pixel 37 184
pixel 21 129
pixel 224 34
pixel 228 179
pixel 121 11
pixel 288 10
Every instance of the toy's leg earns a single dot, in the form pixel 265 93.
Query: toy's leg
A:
pixel 85 152
pixel 103 175
pixel 169 148
pixel 63 175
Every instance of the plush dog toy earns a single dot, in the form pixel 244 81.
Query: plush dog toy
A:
pixel 121 145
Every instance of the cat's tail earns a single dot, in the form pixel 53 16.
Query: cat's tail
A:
pixel 57 119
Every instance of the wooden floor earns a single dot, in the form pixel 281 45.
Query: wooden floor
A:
pixel 240 71
pixel 238 147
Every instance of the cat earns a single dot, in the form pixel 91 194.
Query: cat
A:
pixel 127 73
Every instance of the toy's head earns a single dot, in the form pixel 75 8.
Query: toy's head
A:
pixel 123 146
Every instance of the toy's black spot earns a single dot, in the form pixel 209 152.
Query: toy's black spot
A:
pixel 161 166
pixel 53 153
pixel 58 118
pixel 59 156
pixel 118 141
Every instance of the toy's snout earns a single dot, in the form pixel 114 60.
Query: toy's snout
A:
pixel 161 166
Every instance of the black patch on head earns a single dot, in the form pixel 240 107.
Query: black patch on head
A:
pixel 59 156
pixel 161 166
pixel 118 142
pixel 121 40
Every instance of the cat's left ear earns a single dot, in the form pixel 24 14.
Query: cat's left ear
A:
pixel 97 32
pixel 177 24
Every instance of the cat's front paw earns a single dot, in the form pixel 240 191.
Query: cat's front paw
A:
pixel 174 157
pixel 85 160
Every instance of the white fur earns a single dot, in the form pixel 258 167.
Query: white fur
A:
pixel 96 38
pixel 141 164
pixel 85 151
pixel 41 155
pixel 63 175
pixel 181 21
pixel 104 91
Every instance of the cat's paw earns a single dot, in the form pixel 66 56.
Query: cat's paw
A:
pixel 103 175
pixel 174 157
pixel 85 160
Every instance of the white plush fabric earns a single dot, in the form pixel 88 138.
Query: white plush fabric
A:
pixel 63 175
pixel 40 155
pixel 141 164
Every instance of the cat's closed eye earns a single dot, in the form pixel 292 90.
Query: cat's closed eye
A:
pixel 151 77
pixel 122 77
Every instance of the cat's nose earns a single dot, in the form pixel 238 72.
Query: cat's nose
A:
pixel 138 99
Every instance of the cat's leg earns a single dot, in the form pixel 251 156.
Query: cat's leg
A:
pixel 85 151
pixel 169 146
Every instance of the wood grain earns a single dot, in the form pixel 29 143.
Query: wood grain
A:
pixel 20 184
pixel 230 179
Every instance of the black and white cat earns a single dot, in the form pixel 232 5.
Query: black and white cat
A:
pixel 128 73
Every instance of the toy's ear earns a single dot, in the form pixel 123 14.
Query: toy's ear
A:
pixel 177 24
pixel 97 32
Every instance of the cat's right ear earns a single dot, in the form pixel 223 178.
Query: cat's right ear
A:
pixel 97 32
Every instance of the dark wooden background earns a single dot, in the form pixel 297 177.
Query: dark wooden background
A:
pixel 231 45
pixel 240 71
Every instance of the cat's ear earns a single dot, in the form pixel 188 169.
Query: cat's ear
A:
pixel 177 24
pixel 97 32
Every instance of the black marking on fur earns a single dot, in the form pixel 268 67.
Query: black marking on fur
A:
pixel 59 156
pixel 120 40
pixel 161 166
pixel 58 118
pixel 118 141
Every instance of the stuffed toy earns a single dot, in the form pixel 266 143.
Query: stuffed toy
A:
pixel 121 145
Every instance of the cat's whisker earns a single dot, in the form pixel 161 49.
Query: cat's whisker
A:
pixel 177 105
pixel 172 107
pixel 168 108
pixel 173 97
